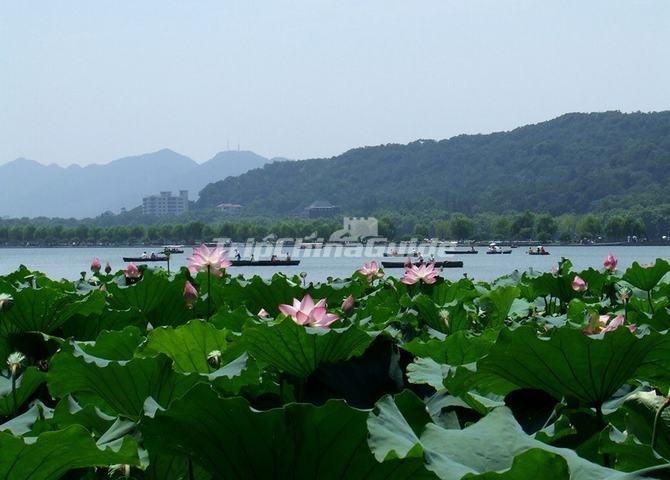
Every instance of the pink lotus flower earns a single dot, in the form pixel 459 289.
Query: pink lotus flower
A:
pixel 348 304
pixel 370 270
pixel 204 259
pixel 579 285
pixel 306 312
pixel 604 324
pixel 263 313
pixel 421 273
pixel 95 265
pixel 190 294
pixel 610 262
pixel 132 271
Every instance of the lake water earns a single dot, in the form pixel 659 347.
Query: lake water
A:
pixel 68 262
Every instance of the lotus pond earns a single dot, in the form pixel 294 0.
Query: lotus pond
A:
pixel 147 375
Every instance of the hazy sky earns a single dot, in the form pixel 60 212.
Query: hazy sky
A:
pixel 90 81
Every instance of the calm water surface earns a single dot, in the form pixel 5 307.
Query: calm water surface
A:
pixel 68 262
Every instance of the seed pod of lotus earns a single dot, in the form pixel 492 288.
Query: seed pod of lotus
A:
pixel 15 362
pixel 214 358
pixel 108 268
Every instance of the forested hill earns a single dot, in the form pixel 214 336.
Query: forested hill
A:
pixel 574 163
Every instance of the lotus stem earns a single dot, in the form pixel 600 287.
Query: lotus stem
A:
pixel 602 424
pixel 190 469
pixel 651 304
pixel 14 393
pixel 657 419
pixel 209 291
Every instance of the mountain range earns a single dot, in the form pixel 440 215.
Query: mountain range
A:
pixel 31 189
pixel 575 163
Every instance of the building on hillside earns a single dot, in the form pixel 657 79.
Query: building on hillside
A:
pixel 321 209
pixel 229 208
pixel 165 204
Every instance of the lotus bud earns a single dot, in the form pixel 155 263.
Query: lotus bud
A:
pixel 444 315
pixel 15 362
pixel 95 265
pixel 263 313
pixel 579 285
pixel 624 295
pixel 190 295
pixel 108 268
pixel 610 262
pixel 83 276
pixel 132 271
pixel 6 302
pixel 214 358
pixel 348 304
pixel 103 288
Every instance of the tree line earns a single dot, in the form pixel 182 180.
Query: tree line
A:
pixel 612 226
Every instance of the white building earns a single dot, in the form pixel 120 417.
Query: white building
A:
pixel 165 204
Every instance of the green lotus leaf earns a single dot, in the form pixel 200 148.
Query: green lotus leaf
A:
pixel 569 363
pixel 46 309
pixel 188 345
pixel 533 463
pixel 646 277
pixel 299 350
pixel 122 386
pixel 231 440
pixel 115 345
pixel 52 454
pixel 490 445
pixel 26 384
pixel 157 297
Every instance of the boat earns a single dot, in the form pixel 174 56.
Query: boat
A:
pixel 538 253
pixel 311 246
pixel 173 248
pixel 264 263
pixel 400 254
pixel 461 252
pixel 155 258
pixel 442 264
pixel 497 250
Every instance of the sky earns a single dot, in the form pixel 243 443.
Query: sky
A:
pixel 91 81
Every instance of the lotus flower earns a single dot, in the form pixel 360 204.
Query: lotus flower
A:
pixel 95 265
pixel 263 313
pixel 6 302
pixel 108 268
pixel 190 294
pixel 370 270
pixel 348 304
pixel 203 259
pixel 15 362
pixel 579 285
pixel 610 262
pixel 604 324
pixel 306 312
pixel 132 271
pixel 421 273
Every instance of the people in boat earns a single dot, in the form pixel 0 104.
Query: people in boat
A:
pixel 251 259
pixel 541 249
pixel 288 257
pixel 472 248
pixel 153 256
pixel 432 258
pixel 144 254
pixel 274 258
